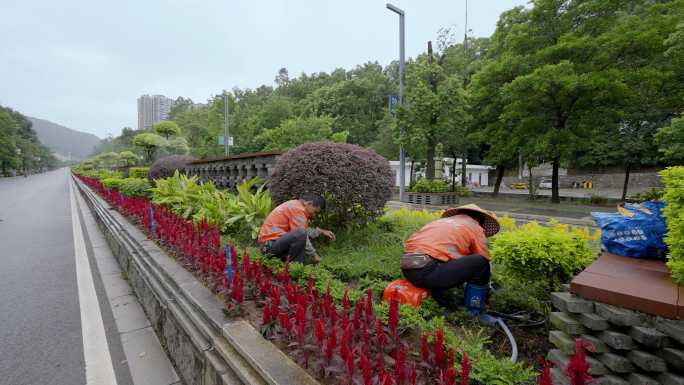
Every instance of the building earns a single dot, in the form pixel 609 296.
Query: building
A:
pixel 153 109
pixel 395 165
pixel 477 175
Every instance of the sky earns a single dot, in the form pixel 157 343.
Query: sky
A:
pixel 83 63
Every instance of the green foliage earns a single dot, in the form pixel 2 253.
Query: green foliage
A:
pixel 112 183
pixel 293 132
pixel 135 187
pixel 20 148
pixel 673 178
pixel 166 128
pixel 128 158
pixel 671 141
pixel 430 185
pixel 533 251
pixel 653 194
pixel 149 143
pixel 138 172
pixel 107 159
pixel 240 215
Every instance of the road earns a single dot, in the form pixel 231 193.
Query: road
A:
pixel 54 305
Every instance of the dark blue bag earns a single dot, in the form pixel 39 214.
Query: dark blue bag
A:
pixel 637 230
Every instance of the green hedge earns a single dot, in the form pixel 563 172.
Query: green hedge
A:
pixel 138 172
pixel 673 177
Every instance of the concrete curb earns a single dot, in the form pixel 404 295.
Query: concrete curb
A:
pixel 205 347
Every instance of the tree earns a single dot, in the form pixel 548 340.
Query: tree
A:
pixel 128 158
pixel 453 119
pixel 296 131
pixel 149 143
pixel 177 146
pixel 422 109
pixel 167 128
pixel 107 159
pixel 670 140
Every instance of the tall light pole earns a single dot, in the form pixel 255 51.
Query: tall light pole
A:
pixel 402 153
pixel 226 138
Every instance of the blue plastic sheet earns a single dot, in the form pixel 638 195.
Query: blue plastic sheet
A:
pixel 637 230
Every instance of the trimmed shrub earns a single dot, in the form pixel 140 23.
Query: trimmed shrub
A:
pixel 138 172
pixel 357 182
pixel 430 185
pixel 166 166
pixel 532 251
pixel 673 177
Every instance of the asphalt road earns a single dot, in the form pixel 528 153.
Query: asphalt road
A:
pixel 41 333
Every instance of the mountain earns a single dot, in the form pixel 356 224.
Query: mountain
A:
pixel 64 140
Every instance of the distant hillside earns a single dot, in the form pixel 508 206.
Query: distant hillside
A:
pixel 64 140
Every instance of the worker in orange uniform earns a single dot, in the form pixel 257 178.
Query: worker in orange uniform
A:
pixel 286 232
pixel 451 251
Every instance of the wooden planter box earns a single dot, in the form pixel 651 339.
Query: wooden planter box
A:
pixel 440 199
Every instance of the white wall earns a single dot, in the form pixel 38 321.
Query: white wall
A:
pixel 394 164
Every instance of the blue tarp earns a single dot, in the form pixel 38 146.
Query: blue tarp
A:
pixel 637 230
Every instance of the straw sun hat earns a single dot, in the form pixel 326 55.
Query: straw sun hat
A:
pixel 486 218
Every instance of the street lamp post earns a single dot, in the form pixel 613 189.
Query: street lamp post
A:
pixel 402 153
pixel 226 138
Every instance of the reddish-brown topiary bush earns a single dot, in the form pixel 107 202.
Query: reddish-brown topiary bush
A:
pixel 356 182
pixel 166 166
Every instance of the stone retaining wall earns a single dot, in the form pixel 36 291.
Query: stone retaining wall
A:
pixel 227 172
pixel 627 347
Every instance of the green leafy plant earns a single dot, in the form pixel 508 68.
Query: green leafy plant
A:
pixel 138 172
pixel 532 251
pixel 182 194
pixel 673 177
pixel 136 187
pixel 112 183
pixel 430 185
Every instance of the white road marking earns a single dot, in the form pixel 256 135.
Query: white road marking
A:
pixel 98 363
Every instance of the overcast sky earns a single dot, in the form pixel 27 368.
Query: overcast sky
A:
pixel 83 63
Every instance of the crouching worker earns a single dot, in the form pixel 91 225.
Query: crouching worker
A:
pixel 286 232
pixel 451 251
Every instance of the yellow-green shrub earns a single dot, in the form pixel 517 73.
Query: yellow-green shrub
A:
pixel 554 253
pixel 112 183
pixel 673 177
pixel 138 172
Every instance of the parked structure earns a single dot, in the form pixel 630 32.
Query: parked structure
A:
pixel 153 109
pixel 229 171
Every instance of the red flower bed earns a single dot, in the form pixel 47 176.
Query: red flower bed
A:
pixel 343 345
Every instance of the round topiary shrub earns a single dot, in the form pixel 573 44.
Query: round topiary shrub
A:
pixel 356 182
pixel 166 166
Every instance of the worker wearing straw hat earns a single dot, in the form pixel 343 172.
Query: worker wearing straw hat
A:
pixel 451 251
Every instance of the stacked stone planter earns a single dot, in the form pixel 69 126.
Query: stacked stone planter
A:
pixel 627 347
pixel 440 199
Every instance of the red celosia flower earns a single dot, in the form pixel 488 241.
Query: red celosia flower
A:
pixel 440 356
pixel 266 315
pixel 449 376
pixel 578 368
pixel 238 293
pixel 400 367
pixel 425 348
pixel 451 357
pixel 369 306
pixel 285 322
pixel 393 317
pixel 350 365
pixel 319 330
pixel 465 369
pixel 365 336
pixel 387 380
pixel 345 300
pixel 380 365
pixel 366 371
pixel 358 310
pixel 380 334
pixel 545 378
pixel 331 344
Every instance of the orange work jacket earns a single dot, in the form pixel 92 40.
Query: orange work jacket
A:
pixel 449 238
pixel 283 219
